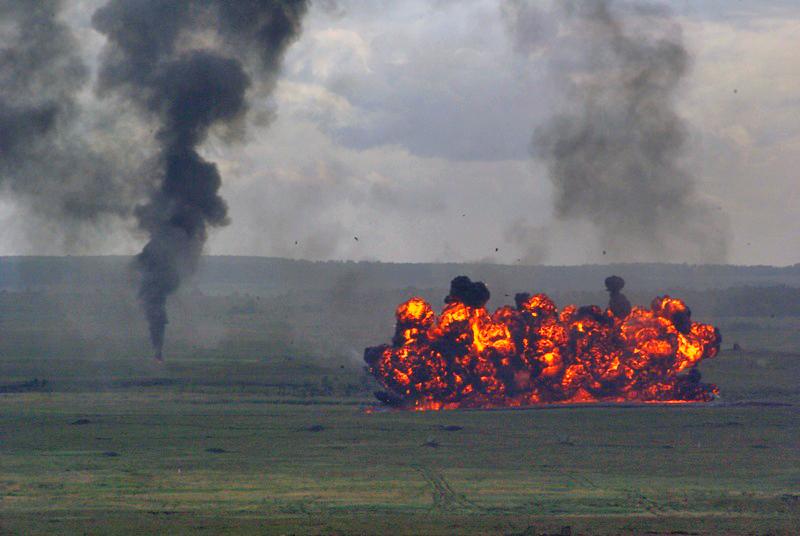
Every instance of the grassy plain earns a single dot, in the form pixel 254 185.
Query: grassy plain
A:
pixel 250 435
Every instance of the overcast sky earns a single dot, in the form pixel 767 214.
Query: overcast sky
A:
pixel 408 125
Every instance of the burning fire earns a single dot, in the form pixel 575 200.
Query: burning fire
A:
pixel 534 353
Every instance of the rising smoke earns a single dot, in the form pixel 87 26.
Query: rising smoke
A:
pixel 618 303
pixel 614 150
pixel 183 64
pixel 45 160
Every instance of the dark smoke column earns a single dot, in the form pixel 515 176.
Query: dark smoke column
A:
pixel 617 302
pixel 187 91
pixel 614 152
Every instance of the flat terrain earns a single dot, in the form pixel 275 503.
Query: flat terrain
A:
pixel 260 423
pixel 167 452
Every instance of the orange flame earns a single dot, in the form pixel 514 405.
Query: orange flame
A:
pixel 535 354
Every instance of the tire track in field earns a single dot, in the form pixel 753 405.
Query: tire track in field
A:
pixel 443 494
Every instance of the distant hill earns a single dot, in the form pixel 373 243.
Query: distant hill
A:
pixel 270 276
pixel 247 307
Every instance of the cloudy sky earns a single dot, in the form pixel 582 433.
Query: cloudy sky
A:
pixel 409 126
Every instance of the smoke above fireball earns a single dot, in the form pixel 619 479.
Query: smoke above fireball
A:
pixel 534 354
pixel 614 149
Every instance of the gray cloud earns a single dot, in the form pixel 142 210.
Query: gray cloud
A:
pixel 422 83
pixel 527 24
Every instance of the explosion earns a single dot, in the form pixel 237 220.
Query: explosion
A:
pixel 535 354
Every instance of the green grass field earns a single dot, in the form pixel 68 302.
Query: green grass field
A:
pixel 213 444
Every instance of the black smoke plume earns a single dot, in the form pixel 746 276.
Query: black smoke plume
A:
pixel 614 150
pixel 468 292
pixel 617 302
pixel 153 57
